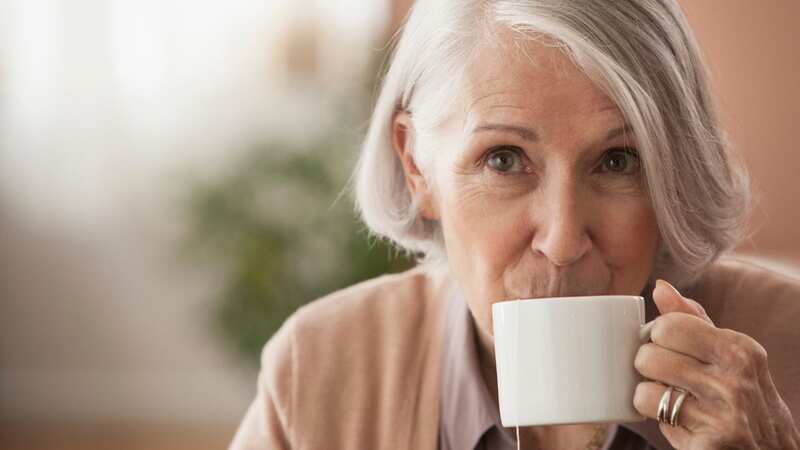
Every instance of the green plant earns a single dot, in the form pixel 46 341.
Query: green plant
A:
pixel 278 229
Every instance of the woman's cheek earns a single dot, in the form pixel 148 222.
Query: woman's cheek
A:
pixel 633 231
pixel 484 229
pixel 488 215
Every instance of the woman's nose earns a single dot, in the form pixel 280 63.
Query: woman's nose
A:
pixel 560 217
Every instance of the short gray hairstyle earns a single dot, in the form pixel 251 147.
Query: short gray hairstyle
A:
pixel 641 53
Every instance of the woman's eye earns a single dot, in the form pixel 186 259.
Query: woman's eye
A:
pixel 505 160
pixel 621 160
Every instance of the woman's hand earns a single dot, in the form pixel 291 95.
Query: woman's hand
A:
pixel 732 401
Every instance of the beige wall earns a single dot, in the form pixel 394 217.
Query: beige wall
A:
pixel 751 49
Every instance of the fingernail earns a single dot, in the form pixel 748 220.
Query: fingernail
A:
pixel 659 285
pixel 645 331
pixel 666 285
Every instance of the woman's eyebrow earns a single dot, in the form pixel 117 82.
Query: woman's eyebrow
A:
pixel 624 129
pixel 525 133
pixel 530 135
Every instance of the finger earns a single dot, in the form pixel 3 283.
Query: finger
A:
pixel 668 299
pixel 676 369
pixel 700 309
pixel 678 437
pixel 689 335
pixel 648 395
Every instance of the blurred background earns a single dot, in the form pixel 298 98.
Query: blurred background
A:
pixel 172 180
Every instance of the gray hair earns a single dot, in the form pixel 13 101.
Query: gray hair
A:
pixel 641 53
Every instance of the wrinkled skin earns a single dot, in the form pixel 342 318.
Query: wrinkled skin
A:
pixel 733 403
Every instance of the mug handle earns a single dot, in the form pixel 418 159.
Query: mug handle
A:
pixel 644 332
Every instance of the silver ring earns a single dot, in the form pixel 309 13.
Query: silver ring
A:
pixel 673 417
pixel 663 406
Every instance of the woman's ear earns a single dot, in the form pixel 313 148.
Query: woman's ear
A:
pixel 403 140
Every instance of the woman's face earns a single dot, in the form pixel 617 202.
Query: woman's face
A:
pixel 537 186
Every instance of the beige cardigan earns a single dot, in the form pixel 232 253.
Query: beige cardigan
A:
pixel 361 368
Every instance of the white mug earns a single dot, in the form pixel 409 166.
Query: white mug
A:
pixel 568 359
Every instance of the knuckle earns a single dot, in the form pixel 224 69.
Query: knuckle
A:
pixel 742 352
pixel 758 353
pixel 738 356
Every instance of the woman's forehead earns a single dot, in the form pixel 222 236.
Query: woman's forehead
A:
pixel 541 89
pixel 530 76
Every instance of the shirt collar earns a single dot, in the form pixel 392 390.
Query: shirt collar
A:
pixel 468 410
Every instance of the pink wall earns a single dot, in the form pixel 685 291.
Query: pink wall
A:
pixel 752 52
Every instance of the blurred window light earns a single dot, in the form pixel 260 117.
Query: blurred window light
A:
pixel 31 31
pixel 138 45
pixel 354 17
pixel 102 98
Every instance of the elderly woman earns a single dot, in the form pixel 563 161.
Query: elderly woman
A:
pixel 539 148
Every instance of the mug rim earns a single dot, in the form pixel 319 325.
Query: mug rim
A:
pixel 577 298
